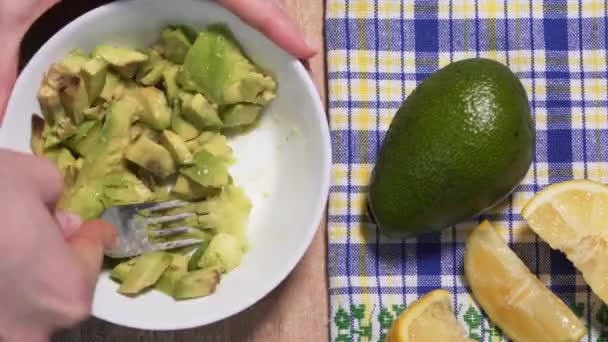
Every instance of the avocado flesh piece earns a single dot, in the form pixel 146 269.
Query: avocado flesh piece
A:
pixel 156 112
pixel 161 191
pixel 189 190
pixel 120 271
pixel 124 61
pixel 140 129
pixel 180 126
pixel 226 212
pixel 190 32
pixel 104 158
pixel 196 256
pixel 198 111
pixel 177 146
pixel 36 139
pixel 59 126
pixel 88 135
pixel 82 131
pixel 73 62
pixel 56 134
pixel 214 143
pixel 151 156
pixel 151 72
pixel 170 82
pixel 94 74
pixel 148 268
pixel 178 267
pixel 241 114
pixel 458 144
pixel 94 113
pixel 196 284
pixel 124 188
pixel 217 67
pixel 224 252
pixel 112 88
pixel 63 160
pixel 50 104
pixel 74 97
pixel 175 45
pixel 65 79
pixel 207 170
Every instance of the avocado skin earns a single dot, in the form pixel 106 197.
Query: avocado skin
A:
pixel 460 143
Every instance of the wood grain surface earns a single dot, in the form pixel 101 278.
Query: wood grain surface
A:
pixel 297 310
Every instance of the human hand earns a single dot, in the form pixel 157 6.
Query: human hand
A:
pixel 16 16
pixel 48 268
pixel 270 17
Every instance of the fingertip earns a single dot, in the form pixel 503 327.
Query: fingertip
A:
pixel 107 232
pixel 68 222
pixel 89 243
pixel 307 52
pixel 97 232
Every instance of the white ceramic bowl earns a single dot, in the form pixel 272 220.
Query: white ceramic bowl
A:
pixel 284 165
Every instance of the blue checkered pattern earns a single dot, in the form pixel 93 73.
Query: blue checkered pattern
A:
pixel 377 52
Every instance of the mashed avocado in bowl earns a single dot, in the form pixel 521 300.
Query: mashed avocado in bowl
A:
pixel 144 125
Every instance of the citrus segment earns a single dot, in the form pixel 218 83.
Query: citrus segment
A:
pixel 429 319
pixel 512 297
pixel 572 217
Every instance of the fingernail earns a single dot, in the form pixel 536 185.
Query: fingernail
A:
pixel 309 44
pixel 68 222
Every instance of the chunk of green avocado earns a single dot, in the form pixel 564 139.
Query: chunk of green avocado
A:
pixel 214 143
pixel 151 72
pixel 94 113
pixel 50 104
pixel 124 188
pixel 207 170
pixel 113 87
pixel 141 129
pixel 224 252
pixel 94 74
pixel 177 146
pixel 87 136
pixel 60 131
pixel 198 111
pixel 120 271
pixel 156 112
pixel 197 255
pixel 178 267
pixel 63 160
pixel 217 66
pixel 73 62
pixel 196 284
pixel 190 32
pixel 175 45
pixel 189 190
pixel 180 126
pixel 124 61
pixel 36 139
pixel 241 114
pixel 151 156
pixel 228 212
pixel 170 81
pixel 74 97
pixel 104 157
pixel 148 268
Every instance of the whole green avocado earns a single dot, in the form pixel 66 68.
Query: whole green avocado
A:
pixel 460 143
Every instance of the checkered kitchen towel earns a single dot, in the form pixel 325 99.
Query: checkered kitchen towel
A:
pixel 378 51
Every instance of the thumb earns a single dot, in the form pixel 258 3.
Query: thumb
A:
pixel 270 18
pixel 89 243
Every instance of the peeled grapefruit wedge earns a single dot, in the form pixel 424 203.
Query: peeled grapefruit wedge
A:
pixel 512 297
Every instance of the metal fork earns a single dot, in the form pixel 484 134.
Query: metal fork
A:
pixel 131 225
